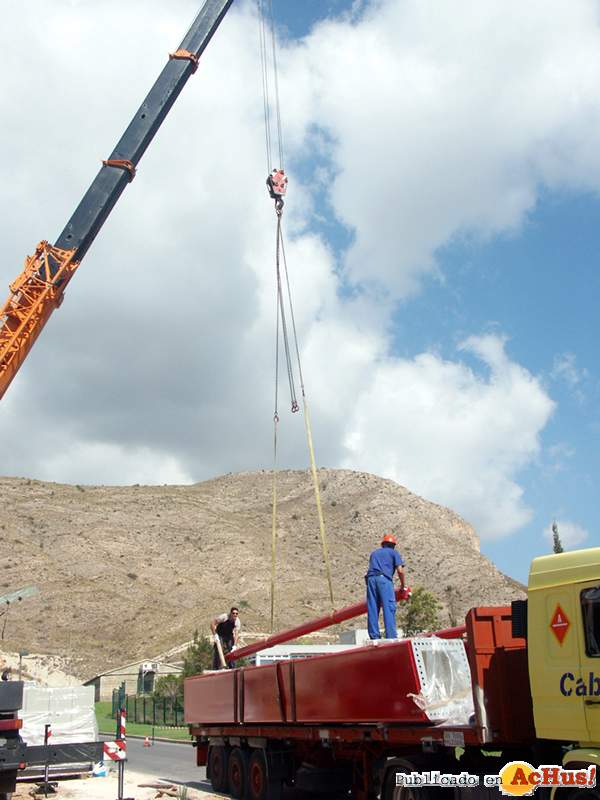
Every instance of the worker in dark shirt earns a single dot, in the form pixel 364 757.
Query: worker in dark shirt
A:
pixel 383 563
pixel 227 627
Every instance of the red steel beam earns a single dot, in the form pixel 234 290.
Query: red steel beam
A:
pixel 344 614
pixel 448 633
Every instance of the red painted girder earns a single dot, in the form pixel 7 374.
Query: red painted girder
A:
pixel 344 614
pixel 448 633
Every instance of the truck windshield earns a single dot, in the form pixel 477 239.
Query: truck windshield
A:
pixel 590 607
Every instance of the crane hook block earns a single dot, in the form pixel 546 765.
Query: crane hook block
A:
pixel 185 54
pixel 277 183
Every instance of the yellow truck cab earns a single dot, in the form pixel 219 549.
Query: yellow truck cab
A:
pixel 563 637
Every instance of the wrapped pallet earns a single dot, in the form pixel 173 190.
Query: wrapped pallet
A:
pixel 68 710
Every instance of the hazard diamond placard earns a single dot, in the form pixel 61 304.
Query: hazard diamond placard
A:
pixel 560 624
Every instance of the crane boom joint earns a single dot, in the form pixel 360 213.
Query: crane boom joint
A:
pixel 121 163
pixel 186 55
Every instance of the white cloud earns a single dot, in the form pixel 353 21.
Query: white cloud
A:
pixel 451 434
pixel 565 369
pixel 434 121
pixel 571 535
pixel 448 117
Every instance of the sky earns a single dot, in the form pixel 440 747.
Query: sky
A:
pixel 441 230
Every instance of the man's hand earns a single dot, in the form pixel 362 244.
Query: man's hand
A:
pixel 405 593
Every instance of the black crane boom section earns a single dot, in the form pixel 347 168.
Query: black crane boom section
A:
pixel 108 185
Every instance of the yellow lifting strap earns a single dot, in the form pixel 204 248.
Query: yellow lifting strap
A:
pixel 313 468
pixel 322 533
pixel 274 521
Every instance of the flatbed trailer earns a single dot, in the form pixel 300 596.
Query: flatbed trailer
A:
pixel 348 723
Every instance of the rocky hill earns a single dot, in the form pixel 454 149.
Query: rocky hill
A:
pixel 130 572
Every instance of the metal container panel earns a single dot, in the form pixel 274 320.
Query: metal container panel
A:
pixel 286 688
pixel 369 684
pixel 500 673
pixel 262 697
pixel 211 698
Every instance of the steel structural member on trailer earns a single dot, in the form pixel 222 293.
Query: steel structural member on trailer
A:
pixel 40 287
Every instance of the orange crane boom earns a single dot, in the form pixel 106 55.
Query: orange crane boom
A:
pixel 40 287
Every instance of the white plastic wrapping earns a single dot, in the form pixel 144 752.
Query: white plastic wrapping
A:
pixel 445 677
pixel 69 710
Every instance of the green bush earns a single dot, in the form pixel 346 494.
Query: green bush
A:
pixel 198 656
pixel 421 613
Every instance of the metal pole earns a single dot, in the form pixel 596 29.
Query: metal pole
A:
pixel 22 654
pixel 47 764
pixel 121 738
pixel 219 647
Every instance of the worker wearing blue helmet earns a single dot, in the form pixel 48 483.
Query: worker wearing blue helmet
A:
pixel 383 564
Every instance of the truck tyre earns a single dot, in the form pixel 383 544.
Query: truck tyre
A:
pixel 217 767
pixel 237 773
pixel 260 786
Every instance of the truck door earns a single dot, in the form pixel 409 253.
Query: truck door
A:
pixel 589 643
pixel 554 662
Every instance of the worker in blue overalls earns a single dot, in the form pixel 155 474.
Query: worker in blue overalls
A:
pixel 383 563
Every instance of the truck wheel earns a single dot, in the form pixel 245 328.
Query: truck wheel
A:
pixel 260 787
pixel 217 767
pixel 237 773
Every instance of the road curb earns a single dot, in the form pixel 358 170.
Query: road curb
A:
pixel 152 739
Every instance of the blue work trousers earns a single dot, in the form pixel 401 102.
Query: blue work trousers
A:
pixel 380 595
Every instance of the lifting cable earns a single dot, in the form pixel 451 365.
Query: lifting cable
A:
pixel 277 185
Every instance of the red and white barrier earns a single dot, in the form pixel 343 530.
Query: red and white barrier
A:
pixel 117 750
pixel 122 724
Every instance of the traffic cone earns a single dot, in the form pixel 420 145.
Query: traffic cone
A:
pixel 146 742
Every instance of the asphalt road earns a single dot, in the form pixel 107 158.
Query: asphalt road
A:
pixel 166 761
pixel 175 763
